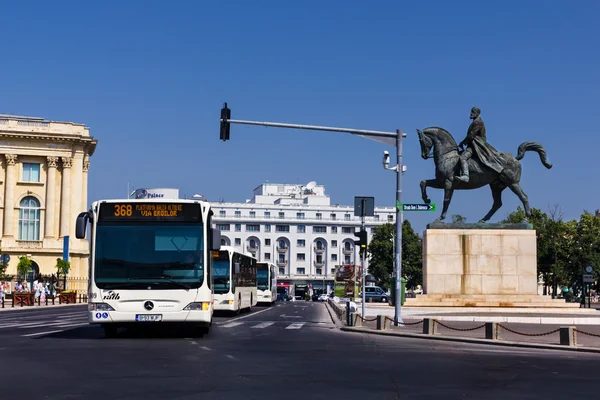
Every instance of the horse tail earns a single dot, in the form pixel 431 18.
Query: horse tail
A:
pixel 533 146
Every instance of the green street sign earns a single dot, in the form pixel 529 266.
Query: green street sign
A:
pixel 418 207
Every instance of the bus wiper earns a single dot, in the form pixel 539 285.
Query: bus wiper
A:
pixel 179 264
pixel 120 285
pixel 167 279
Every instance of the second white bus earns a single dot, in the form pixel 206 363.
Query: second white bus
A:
pixel 266 277
pixel 234 275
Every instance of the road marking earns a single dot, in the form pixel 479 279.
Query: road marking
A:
pixel 290 316
pixel 42 333
pixel 246 316
pixel 263 325
pixel 295 325
pixel 230 356
pixel 205 348
pixel 232 324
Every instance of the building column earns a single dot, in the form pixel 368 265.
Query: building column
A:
pixel 65 198
pixel 84 184
pixel 9 193
pixel 50 195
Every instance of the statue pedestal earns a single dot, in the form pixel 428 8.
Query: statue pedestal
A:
pixel 477 265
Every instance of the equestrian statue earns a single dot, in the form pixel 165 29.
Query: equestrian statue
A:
pixel 474 163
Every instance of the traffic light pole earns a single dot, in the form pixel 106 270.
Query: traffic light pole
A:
pixel 362 266
pixel 397 136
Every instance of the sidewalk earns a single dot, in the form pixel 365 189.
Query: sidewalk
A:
pixel 8 306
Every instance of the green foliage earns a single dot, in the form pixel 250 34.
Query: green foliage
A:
pixel 458 219
pixel 381 254
pixel 564 248
pixel 23 267
pixel 62 266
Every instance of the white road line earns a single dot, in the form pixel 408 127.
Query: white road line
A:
pixel 205 348
pixel 232 324
pixel 249 315
pixel 42 333
pixel 295 326
pixel 263 325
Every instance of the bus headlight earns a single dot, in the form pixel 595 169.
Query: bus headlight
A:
pixel 100 307
pixel 197 307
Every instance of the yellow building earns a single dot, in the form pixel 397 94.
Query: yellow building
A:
pixel 43 186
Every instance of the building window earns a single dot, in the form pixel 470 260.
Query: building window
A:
pixel 252 244
pixel 301 228
pixel 319 216
pixel 334 229
pixel 281 271
pixel 238 214
pixel 29 219
pixel 319 245
pixel 223 242
pixel 301 243
pixel 282 244
pixel 223 227
pixel 267 242
pixel 347 230
pixel 334 257
pixel 347 246
pixel 281 215
pixel 319 271
pixel 333 217
pixel 347 260
pixel 252 214
pixel 252 228
pixel 282 228
pixel 221 213
pixel 347 217
pixel 31 172
pixel 300 215
pixel 334 243
pixel 238 241
pixel 267 214
pixel 300 257
pixel 267 228
pixel 319 229
pixel 377 218
pixel 391 219
pixel 267 256
pixel 301 271
pixel 282 258
pixel 238 227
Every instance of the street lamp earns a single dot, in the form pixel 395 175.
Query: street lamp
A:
pixel 399 169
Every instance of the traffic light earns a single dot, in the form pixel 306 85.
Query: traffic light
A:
pixel 362 241
pixel 225 116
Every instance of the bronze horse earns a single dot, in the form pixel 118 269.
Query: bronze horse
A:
pixel 446 157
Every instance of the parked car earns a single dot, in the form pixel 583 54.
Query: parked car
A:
pixel 375 293
pixel 323 297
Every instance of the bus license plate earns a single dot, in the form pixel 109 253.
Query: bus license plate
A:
pixel 148 317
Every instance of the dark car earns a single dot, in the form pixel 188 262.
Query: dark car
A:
pixel 315 297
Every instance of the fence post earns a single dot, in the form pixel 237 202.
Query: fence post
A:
pixel 2 301
pixel 357 320
pixel 492 331
pixel 429 326
pixel 380 323
pixel 568 336
pixel 348 315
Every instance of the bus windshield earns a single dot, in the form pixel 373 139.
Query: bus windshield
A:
pixel 164 255
pixel 262 277
pixel 221 276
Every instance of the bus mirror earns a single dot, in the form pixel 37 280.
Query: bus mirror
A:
pixel 236 268
pixel 216 240
pixel 81 225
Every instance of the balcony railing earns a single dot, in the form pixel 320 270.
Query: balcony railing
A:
pixel 319 264
pixel 282 249
pixel 347 250
pixel 30 244
pixel 319 249
pixel 282 263
pixel 252 248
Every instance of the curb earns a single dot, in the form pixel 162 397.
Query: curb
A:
pixel 474 340
pixel 334 318
pixel 583 320
pixel 38 308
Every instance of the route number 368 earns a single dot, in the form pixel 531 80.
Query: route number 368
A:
pixel 123 210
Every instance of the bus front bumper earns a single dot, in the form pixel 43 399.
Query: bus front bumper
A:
pixel 128 317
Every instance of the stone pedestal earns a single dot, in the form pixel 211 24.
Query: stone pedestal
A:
pixel 475 265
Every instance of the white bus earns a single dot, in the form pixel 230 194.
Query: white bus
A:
pixel 150 262
pixel 234 276
pixel 266 279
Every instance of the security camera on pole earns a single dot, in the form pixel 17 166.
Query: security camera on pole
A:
pixel 389 138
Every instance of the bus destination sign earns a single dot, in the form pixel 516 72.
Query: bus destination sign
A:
pixel 126 211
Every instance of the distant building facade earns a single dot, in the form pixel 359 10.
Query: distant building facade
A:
pixel 43 186
pixel 296 228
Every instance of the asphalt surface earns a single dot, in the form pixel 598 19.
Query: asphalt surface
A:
pixel 289 351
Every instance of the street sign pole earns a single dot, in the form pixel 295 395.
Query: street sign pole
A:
pixel 399 169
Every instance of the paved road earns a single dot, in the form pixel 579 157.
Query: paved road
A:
pixel 290 351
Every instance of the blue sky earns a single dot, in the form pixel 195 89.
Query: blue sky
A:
pixel 149 79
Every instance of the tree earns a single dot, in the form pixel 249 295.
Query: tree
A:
pixel 458 219
pixel 381 254
pixel 23 267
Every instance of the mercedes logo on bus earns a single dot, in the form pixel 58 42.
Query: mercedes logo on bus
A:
pixel 148 305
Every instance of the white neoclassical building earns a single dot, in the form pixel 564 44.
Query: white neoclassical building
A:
pixel 43 186
pixel 298 229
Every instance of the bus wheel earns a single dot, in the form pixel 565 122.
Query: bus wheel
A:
pixel 239 310
pixel 110 331
pixel 251 299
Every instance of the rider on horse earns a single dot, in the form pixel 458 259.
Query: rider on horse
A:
pixel 476 143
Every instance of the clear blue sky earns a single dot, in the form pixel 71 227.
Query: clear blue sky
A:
pixel 149 79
